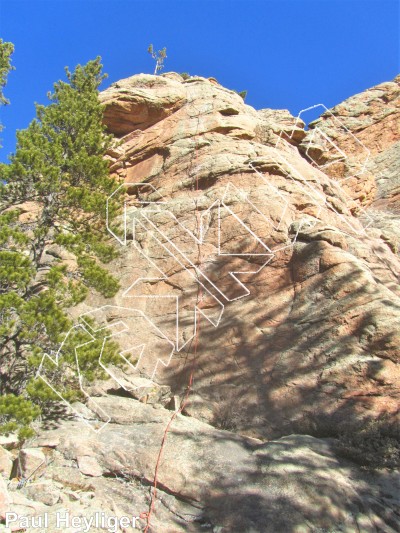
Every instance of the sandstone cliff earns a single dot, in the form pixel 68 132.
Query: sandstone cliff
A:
pixel 261 258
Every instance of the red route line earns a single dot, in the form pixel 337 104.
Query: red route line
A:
pixel 147 515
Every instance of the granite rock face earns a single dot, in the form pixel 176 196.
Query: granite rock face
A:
pixel 305 338
pixel 208 479
pixel 366 129
pixel 259 315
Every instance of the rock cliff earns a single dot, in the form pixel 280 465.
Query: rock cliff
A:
pixel 310 339
pixel 260 274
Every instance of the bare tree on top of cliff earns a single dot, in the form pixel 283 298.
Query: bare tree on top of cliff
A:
pixel 159 57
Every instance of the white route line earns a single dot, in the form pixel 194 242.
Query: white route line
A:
pixel 183 260
pixel 55 361
pixel 339 124
pixel 315 195
pixel 88 329
pixel 125 329
pixel 146 222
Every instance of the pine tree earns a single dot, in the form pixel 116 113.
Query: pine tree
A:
pixel 59 167
pixel 6 51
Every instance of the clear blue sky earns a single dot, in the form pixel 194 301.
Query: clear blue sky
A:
pixel 287 53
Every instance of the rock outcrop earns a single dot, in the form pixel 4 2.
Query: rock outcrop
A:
pixel 208 479
pixel 314 346
pixel 366 128
pixel 260 298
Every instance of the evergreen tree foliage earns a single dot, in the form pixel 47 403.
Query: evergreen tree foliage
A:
pixel 60 176
pixel 6 51
pixel 17 414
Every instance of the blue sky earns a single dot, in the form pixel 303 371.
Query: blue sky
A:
pixel 287 53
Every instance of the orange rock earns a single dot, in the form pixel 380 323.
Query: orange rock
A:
pixel 327 304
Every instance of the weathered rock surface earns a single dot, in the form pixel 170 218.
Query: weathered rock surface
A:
pixel 6 462
pixel 208 479
pixel 314 345
pixel 9 441
pixel 366 130
pixel 371 117
pixel 5 499
pixel 44 491
pixel 283 254
pixel 29 461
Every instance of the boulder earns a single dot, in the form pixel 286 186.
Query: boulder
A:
pixel 89 466
pixel 10 441
pixel 235 482
pixel 30 460
pixel 44 491
pixel 5 499
pixel 6 462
